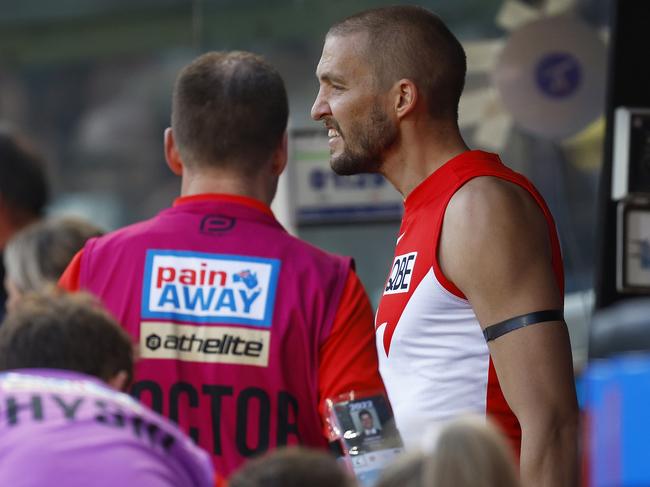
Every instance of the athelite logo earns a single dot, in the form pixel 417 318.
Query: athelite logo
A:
pixel 401 273
pixel 209 288
pixel 208 344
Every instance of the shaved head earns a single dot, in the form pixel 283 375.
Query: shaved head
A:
pixel 409 42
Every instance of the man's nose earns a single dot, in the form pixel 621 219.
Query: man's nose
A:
pixel 320 107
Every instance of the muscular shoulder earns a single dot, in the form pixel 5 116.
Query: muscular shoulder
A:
pixel 496 208
pixel 491 194
pixel 495 246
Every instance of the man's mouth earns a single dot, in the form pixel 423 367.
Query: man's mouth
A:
pixel 333 130
pixel 331 133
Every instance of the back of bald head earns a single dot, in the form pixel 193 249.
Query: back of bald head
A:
pixel 409 42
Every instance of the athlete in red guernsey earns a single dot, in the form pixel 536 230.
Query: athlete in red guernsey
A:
pixel 475 291
pixel 434 358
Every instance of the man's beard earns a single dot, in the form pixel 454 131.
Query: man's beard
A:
pixel 372 138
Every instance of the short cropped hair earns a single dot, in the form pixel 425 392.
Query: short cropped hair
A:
pixel 38 254
pixel 411 42
pixel 291 467
pixel 65 331
pixel 23 185
pixel 229 110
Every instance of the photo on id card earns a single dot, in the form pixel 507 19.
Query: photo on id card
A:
pixel 366 424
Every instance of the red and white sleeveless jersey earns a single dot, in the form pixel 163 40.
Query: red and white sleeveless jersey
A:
pixel 433 357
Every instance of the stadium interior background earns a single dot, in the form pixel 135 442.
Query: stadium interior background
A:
pixel 90 82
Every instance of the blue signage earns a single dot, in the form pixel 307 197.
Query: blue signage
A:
pixel 321 179
pixel 558 74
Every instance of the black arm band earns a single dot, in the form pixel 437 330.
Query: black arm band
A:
pixel 500 329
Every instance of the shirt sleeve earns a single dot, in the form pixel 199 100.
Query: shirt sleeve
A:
pixel 348 358
pixel 69 280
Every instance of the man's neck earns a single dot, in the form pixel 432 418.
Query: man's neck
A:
pixel 224 183
pixel 419 154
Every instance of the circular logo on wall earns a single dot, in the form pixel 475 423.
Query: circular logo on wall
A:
pixel 551 76
pixel 558 74
pixel 153 342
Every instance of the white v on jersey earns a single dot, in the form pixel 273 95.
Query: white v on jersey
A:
pixel 433 357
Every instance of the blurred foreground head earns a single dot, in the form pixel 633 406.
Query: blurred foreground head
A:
pixel 37 255
pixel 23 187
pixel 56 330
pixel 292 467
pixel 468 453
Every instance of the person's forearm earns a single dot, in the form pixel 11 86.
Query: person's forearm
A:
pixel 549 454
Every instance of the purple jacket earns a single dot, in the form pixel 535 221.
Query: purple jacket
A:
pixel 68 429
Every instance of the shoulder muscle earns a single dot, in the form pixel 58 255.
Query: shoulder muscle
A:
pixel 495 247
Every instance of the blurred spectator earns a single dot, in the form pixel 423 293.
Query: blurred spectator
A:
pixel 468 453
pixel 64 424
pixel 38 254
pixel 407 471
pixel 292 467
pixel 472 453
pixel 23 191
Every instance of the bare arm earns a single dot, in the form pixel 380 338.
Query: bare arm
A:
pixel 495 247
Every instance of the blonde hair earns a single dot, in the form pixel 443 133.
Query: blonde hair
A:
pixel 472 453
pixel 469 453
pixel 406 471
pixel 38 254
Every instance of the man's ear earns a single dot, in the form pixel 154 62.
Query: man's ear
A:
pixel 280 156
pixel 119 381
pixel 405 96
pixel 172 156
